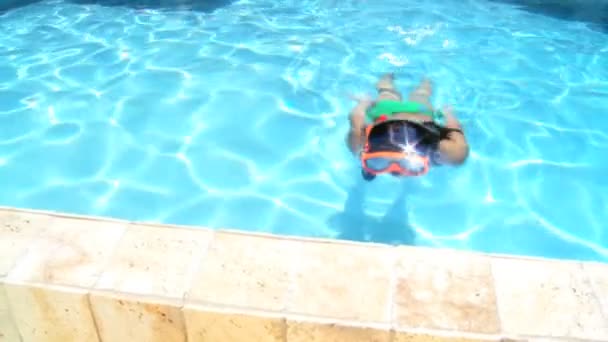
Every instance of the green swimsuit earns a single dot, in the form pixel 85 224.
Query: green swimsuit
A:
pixel 392 107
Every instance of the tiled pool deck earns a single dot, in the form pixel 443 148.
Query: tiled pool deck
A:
pixel 67 278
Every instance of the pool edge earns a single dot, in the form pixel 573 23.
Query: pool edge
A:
pixel 72 277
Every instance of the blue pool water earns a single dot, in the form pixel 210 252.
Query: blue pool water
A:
pixel 233 115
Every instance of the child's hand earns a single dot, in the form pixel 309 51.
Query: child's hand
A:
pixel 362 99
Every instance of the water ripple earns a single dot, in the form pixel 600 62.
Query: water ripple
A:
pixel 190 117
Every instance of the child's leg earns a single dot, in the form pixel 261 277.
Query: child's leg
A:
pixel 386 88
pixel 422 94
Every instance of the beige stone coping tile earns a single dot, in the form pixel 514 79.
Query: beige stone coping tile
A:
pixel 313 331
pixel 343 281
pixel 69 252
pixel 547 298
pixel 246 271
pixel 155 260
pixel 207 323
pixel 446 290
pixel 18 230
pixel 50 313
pixel 8 329
pixel 122 317
pixel 443 337
pixel 598 273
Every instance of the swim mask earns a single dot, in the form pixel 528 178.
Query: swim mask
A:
pixel 398 147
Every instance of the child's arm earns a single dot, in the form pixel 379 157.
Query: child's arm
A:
pixel 356 138
pixel 455 149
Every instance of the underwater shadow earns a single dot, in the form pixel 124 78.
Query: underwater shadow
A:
pixel 7 5
pixel 191 5
pixel 354 224
pixel 591 12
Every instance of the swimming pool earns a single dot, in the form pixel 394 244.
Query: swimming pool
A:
pixel 234 116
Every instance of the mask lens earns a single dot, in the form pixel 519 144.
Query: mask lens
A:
pixel 414 164
pixel 378 164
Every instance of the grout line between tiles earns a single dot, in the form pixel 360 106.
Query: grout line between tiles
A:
pixel 393 282
pixel 496 296
pixel 110 257
pixel 197 265
pixel 294 271
pixel 588 278
pixel 93 317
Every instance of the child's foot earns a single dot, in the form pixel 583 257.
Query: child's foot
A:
pixel 426 82
pixel 387 81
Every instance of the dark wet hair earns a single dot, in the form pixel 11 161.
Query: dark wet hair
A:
pixel 389 136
